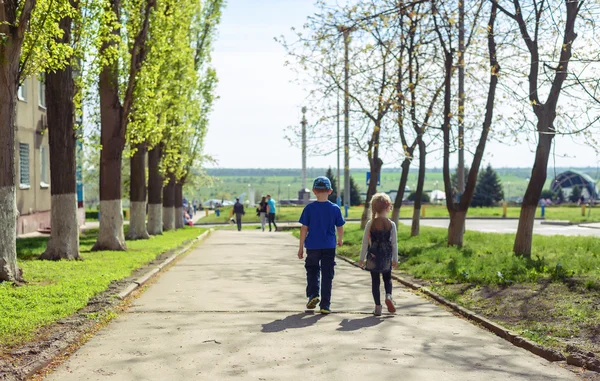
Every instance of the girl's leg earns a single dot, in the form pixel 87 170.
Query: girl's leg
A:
pixel 387 282
pixel 375 287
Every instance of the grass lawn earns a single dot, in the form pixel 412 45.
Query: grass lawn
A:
pixel 292 213
pixel 552 298
pixel 58 289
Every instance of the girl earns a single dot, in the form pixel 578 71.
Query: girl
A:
pixel 380 249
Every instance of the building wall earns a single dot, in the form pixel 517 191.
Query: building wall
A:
pixel 33 199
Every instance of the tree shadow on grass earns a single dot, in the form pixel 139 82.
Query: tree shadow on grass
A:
pixel 301 320
pixel 348 325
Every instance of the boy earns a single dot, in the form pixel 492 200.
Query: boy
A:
pixel 320 220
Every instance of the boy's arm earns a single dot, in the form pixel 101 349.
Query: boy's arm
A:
pixel 303 232
pixel 340 235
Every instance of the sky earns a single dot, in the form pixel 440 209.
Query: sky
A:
pixel 258 99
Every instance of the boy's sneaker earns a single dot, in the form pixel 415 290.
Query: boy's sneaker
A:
pixel 377 310
pixel 312 303
pixel 389 302
pixel 325 311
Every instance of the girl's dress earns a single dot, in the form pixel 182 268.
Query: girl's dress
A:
pixel 380 248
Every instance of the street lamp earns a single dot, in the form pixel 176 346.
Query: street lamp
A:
pixel 289 185
pixel 508 190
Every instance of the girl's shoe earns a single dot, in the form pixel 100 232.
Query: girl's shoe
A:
pixel 377 311
pixel 389 302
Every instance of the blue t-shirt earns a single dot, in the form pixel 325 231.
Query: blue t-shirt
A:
pixel 271 204
pixel 321 218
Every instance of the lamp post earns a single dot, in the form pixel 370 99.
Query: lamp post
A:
pixel 507 191
pixel 303 122
pixel 289 185
pixel 346 32
pixel 338 199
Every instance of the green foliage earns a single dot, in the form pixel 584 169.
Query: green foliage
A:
pixel 424 197
pixel 333 196
pixel 548 193
pixel 488 191
pixel 58 289
pixel 575 194
pixel 560 195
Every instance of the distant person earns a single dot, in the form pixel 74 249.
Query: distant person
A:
pixel 320 220
pixel 195 204
pixel 581 200
pixel 262 212
pixel 271 211
pixel 238 211
pixel 380 249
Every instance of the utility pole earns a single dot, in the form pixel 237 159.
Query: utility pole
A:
pixel 461 98
pixel 303 148
pixel 346 31
pixel 338 199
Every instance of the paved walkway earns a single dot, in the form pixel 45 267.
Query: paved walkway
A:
pixel 234 309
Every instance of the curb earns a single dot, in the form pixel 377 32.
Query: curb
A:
pixel 557 223
pixel 508 335
pixel 146 277
pixel 589 226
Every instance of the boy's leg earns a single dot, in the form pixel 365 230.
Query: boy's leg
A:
pixel 375 282
pixel 238 219
pixel 274 224
pixel 313 268
pixel 269 217
pixel 327 274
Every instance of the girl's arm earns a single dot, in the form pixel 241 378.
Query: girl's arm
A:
pixel 365 242
pixel 394 239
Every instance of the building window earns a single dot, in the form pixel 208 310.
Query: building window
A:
pixel 24 166
pixel 44 178
pixel 42 91
pixel 22 92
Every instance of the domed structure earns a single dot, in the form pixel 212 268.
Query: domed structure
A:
pixel 567 180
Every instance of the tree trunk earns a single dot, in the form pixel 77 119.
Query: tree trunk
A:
pixel 155 189
pixel 532 194
pixel 112 138
pixel 401 187
pixel 416 221
pixel 137 195
pixel 376 165
pixel 178 205
pixel 10 52
pixel 456 229
pixel 60 91
pixel 169 204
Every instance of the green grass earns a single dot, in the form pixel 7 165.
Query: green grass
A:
pixel 58 289
pixel 292 213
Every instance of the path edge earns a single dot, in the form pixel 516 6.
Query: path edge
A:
pixel 27 371
pixel 503 332
pixel 151 273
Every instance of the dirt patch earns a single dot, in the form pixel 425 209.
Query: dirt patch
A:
pixel 556 315
pixel 17 363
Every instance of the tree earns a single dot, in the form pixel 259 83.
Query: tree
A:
pixel 333 196
pixel 488 191
pixel 115 114
pixel 60 95
pixel 575 193
pixel 355 199
pixel 531 25
pixel 548 193
pixel 560 195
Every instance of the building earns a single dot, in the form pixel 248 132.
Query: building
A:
pixel 32 158
pixel 567 180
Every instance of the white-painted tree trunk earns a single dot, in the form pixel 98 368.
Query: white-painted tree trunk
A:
pixel 111 236
pixel 9 271
pixel 179 217
pixel 64 236
pixel 155 219
pixel 137 221
pixel 169 218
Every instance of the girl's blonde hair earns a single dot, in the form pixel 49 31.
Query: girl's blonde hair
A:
pixel 380 202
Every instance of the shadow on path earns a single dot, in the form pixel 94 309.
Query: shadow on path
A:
pixel 356 324
pixel 301 320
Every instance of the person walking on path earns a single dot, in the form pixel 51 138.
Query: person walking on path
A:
pixel 262 212
pixel 320 220
pixel 271 211
pixel 238 210
pixel 380 249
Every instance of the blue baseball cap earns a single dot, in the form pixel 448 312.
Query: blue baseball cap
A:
pixel 322 182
